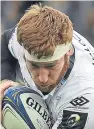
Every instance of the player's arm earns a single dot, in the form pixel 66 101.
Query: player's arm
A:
pixel 8 62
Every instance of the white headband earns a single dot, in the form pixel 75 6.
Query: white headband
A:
pixel 60 50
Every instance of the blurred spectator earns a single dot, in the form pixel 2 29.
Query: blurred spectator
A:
pixel 81 14
pixel 9 13
pixel 12 11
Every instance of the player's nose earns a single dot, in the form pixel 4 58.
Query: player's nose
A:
pixel 43 75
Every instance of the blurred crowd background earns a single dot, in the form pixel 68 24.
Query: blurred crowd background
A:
pixel 81 14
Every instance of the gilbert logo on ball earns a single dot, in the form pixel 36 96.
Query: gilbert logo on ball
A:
pixel 24 108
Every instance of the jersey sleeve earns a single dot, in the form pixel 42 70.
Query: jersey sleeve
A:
pixel 78 113
pixel 8 62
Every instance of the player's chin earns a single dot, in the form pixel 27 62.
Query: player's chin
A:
pixel 45 89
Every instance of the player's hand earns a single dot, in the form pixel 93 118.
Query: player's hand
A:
pixel 5 84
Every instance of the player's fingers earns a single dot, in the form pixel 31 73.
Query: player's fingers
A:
pixel 5 84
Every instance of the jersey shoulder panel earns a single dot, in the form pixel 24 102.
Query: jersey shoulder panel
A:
pixel 84 54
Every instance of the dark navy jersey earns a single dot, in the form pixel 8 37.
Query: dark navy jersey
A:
pixel 9 64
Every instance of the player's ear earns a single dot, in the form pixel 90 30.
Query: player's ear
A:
pixel 70 52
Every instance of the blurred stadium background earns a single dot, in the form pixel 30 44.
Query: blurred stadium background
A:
pixel 81 14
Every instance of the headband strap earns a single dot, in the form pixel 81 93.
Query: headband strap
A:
pixel 60 50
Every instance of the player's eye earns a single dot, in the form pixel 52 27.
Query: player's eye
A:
pixel 34 65
pixel 51 66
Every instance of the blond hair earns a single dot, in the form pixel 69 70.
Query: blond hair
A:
pixel 41 29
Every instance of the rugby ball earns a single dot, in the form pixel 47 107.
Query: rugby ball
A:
pixel 24 108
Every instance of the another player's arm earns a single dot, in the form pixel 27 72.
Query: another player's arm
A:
pixel 8 62
pixel 8 66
